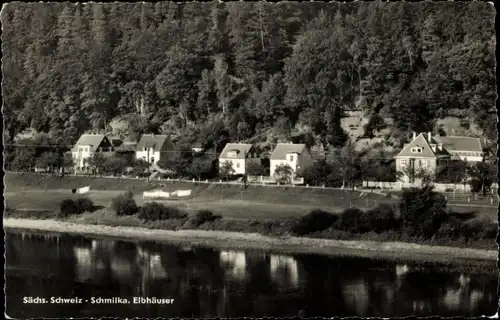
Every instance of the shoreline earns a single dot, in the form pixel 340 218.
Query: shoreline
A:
pixel 254 241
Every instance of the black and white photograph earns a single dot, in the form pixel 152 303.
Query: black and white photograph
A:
pixel 250 159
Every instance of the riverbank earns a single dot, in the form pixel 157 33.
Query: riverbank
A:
pixel 254 241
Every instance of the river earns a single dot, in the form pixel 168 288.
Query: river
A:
pixel 210 283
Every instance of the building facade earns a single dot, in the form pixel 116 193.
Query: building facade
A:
pixel 152 147
pixel 87 145
pixel 239 155
pixel 297 156
pixel 426 152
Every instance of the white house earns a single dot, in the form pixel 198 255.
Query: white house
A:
pixel 469 149
pixel 297 156
pixel 239 155
pixel 152 147
pixel 87 145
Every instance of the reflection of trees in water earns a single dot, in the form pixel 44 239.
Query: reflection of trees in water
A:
pixel 41 253
pixel 41 261
pixel 218 284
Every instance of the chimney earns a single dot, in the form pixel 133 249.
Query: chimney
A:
pixel 429 136
pixel 414 135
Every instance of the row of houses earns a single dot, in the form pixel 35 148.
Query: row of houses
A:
pixel 241 155
pixel 151 148
pixel 423 151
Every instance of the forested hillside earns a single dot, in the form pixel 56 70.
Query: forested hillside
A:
pixel 246 71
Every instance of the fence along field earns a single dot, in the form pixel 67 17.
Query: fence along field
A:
pixel 229 198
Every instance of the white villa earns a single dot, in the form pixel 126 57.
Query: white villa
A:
pixel 239 155
pixel 87 145
pixel 297 156
pixel 152 147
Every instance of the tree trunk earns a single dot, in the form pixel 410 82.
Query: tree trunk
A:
pixel 261 31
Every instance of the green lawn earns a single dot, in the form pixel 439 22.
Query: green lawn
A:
pixel 33 191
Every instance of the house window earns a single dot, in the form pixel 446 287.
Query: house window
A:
pixel 145 149
pixel 416 150
pixel 232 154
pixel 291 158
pixel 237 165
pixel 423 163
pixel 404 162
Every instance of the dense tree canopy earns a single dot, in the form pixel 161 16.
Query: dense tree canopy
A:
pixel 72 67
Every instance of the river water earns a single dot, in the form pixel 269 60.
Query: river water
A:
pixel 213 283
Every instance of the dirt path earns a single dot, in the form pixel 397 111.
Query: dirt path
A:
pixel 236 240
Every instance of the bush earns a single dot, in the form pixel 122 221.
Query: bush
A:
pixel 422 210
pixel 155 211
pixel 379 219
pixel 450 229
pixel 68 207
pixel 476 185
pixel 479 228
pixel 432 224
pixel 124 204
pixel 205 216
pixel 316 220
pixel 84 205
pixel 352 220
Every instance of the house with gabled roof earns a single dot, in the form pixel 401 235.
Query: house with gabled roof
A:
pixel 239 155
pixel 468 149
pixel 87 145
pixel 152 147
pixel 296 155
pixel 422 153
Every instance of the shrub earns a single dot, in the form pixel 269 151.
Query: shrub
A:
pixel 68 207
pixel 380 218
pixel 431 225
pixel 124 204
pixel 316 220
pixel 476 185
pixel 351 220
pixel 479 228
pixel 170 224
pixel 84 205
pixel 205 216
pixel 155 211
pixel 450 229
pixel 422 210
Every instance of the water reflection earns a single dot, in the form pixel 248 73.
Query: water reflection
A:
pixel 284 270
pixel 229 283
pixel 235 262
pixel 356 296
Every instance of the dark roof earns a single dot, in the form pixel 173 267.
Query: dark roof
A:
pixel 282 149
pixel 242 150
pixel 156 141
pixel 455 143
